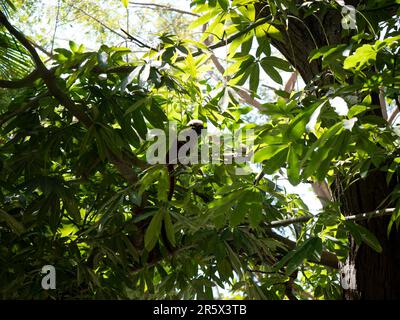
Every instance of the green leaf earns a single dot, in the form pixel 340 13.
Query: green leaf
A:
pixel 203 19
pixel 310 249
pixel 293 169
pixel 268 152
pixel 163 185
pixel 255 214
pixel 395 218
pixel 361 234
pixel 355 110
pixel 125 3
pixel 155 115
pixel 153 231
pixel 271 72
pixel 255 78
pixel 169 229
pixel 246 45
pixel 271 31
pixel 238 214
pixel 73 46
pixel 363 56
pixel 129 78
pixel 139 124
pixel 297 127
pixel 234 259
pixel 277 63
pixel 224 4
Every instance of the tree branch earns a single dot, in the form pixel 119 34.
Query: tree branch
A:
pixel 223 42
pixel 356 217
pixel 97 20
pixel 163 7
pixel 123 164
pixel 137 41
pixel 21 83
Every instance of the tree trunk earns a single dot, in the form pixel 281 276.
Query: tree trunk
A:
pixel 368 275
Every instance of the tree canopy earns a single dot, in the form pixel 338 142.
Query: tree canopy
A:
pixel 317 84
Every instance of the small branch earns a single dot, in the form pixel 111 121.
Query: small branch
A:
pixel 40 48
pixel 242 93
pixel 356 217
pixel 259 177
pixel 137 41
pixel 163 7
pixel 382 103
pixel 97 20
pixel 225 42
pixel 289 87
pixel 288 222
pixel 369 215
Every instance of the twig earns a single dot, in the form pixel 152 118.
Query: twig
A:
pixel 137 41
pixel 327 259
pixel 356 217
pixel 243 94
pixel 123 163
pixel 382 103
pixel 97 20
pixel 40 48
pixel 55 25
pixel 163 7
pixel 259 177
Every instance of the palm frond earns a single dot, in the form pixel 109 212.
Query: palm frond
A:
pixel 15 61
pixel 7 6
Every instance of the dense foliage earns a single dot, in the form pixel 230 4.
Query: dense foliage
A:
pixel 77 192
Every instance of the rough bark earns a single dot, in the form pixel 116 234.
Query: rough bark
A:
pixel 372 275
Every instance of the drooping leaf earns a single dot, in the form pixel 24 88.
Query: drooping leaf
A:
pixel 153 231
pixel 361 234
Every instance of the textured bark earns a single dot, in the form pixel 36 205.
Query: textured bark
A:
pixel 372 275
pixel 375 275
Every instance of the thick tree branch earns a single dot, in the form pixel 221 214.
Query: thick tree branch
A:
pixel 20 83
pixel 137 41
